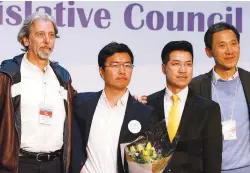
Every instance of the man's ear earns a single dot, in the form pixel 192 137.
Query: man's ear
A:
pixel 163 68
pixel 25 41
pixel 209 52
pixel 101 71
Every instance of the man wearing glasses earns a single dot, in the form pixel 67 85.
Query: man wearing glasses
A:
pixel 105 119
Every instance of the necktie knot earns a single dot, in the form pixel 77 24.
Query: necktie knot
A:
pixel 175 99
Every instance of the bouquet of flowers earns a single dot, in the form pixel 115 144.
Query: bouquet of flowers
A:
pixel 151 152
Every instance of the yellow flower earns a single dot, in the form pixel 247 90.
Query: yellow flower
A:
pixel 140 147
pixel 145 153
pixel 149 146
pixel 146 156
pixel 154 155
pixel 132 149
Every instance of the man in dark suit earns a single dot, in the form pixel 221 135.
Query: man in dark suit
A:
pixel 229 86
pixel 103 120
pixel 194 119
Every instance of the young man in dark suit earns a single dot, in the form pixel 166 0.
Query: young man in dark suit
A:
pixel 193 119
pixel 229 86
pixel 105 119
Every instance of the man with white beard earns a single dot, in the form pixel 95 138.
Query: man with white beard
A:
pixel 35 104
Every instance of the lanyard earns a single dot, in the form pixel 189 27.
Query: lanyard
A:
pixel 217 98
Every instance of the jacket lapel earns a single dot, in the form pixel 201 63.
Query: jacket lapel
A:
pixel 91 106
pixel 161 114
pixel 129 115
pixel 186 116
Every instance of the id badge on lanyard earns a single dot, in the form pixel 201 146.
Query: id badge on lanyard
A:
pixel 228 126
pixel 45 115
pixel 229 130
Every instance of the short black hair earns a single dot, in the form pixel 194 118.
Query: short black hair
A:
pixel 221 26
pixel 112 48
pixel 173 46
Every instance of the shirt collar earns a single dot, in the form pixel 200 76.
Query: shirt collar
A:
pixel 182 94
pixel 121 102
pixel 27 62
pixel 216 76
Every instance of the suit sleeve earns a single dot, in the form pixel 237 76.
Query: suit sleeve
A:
pixel 212 157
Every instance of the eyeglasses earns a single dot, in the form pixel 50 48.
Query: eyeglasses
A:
pixel 126 66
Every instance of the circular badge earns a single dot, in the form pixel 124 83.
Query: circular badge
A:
pixel 134 126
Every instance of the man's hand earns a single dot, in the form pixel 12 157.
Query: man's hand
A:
pixel 142 99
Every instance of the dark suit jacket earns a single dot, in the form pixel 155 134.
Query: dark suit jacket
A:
pixel 84 106
pixel 202 84
pixel 200 138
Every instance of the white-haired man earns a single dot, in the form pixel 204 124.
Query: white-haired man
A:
pixel 35 104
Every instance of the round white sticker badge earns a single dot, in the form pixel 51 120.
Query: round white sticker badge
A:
pixel 134 126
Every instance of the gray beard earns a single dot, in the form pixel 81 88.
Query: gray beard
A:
pixel 43 55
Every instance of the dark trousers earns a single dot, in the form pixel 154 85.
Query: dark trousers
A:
pixel 31 165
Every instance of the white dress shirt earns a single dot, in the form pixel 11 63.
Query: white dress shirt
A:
pixel 104 136
pixel 168 101
pixel 38 89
